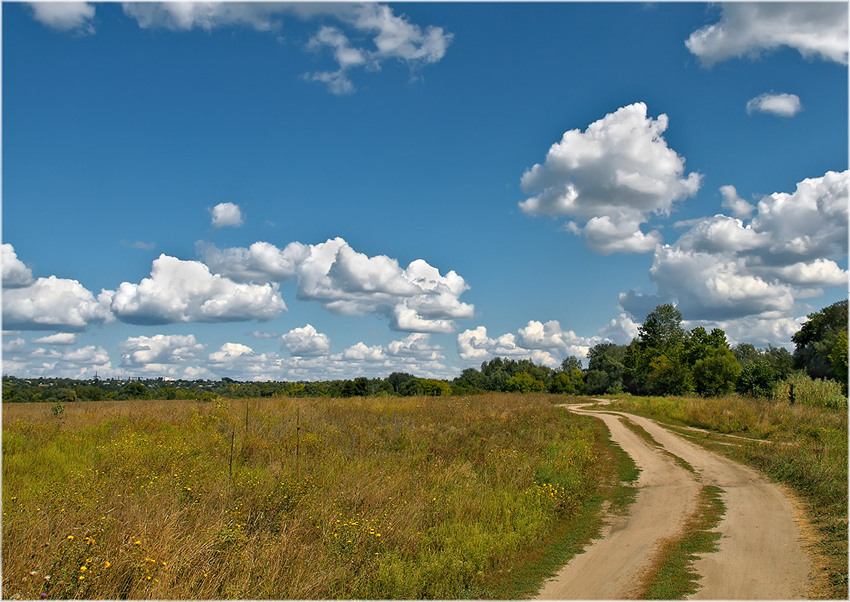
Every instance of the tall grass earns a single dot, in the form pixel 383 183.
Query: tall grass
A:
pixel 376 498
pixel 804 446
pixel 805 390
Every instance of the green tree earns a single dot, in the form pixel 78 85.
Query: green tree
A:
pixel 662 329
pixel 134 390
pixel 838 357
pixel 469 382
pixel 605 368
pixel 523 382
pixel 668 376
pixel 716 372
pixel 816 340
pixel 757 379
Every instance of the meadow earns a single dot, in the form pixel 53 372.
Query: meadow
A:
pixel 452 497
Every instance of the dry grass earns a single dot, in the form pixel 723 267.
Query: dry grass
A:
pixel 374 498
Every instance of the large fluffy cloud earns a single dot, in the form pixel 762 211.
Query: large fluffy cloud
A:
pixel 726 269
pixel 154 352
pixel 53 304
pixel 815 29
pixel 15 273
pixel 186 291
pixel 415 299
pixel 612 177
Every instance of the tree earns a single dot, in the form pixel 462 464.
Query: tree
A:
pixel 523 382
pixel 470 381
pixel 838 357
pixel 567 383
pixel 605 368
pixel 654 361
pixel 662 329
pixel 816 340
pixel 757 379
pixel 716 373
pixel 668 376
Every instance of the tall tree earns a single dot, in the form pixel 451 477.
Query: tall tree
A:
pixel 817 339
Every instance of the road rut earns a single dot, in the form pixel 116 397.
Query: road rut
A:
pixel 760 555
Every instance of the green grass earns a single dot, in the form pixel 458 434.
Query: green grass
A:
pixel 358 498
pixel 643 434
pixel 804 446
pixel 570 538
pixel 673 576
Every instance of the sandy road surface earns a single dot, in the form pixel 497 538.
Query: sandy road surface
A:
pixel 759 557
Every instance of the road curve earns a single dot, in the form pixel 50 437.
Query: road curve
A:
pixel 760 555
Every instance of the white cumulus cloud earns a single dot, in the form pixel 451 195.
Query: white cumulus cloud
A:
pixel 65 16
pixel 306 341
pixel 783 105
pixel 186 291
pixel 545 344
pixel 60 338
pixel 613 177
pixel 15 273
pixel 815 29
pixel 53 304
pixel 77 363
pixel 151 353
pixel 226 215
pixel 751 272
pixel 417 298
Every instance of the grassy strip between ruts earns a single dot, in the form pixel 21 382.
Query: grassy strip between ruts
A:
pixel 569 538
pixel 643 434
pixel 673 576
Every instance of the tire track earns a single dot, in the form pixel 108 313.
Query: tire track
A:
pixel 760 555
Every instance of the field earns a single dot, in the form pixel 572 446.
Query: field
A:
pixel 296 498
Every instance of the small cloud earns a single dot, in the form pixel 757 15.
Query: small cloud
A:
pixel 305 341
pixel 61 338
pixel 144 246
pixel 783 105
pixel 226 214
pixel 65 16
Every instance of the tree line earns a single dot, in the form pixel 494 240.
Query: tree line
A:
pixel 663 359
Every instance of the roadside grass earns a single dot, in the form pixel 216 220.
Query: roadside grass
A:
pixel 804 447
pixel 569 538
pixel 673 576
pixel 285 498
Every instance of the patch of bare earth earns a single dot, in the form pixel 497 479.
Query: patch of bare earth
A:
pixel 761 551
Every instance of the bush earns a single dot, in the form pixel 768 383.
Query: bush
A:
pixel 757 379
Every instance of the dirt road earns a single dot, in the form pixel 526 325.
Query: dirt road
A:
pixel 759 557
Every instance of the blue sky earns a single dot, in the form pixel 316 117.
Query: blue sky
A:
pixel 318 191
